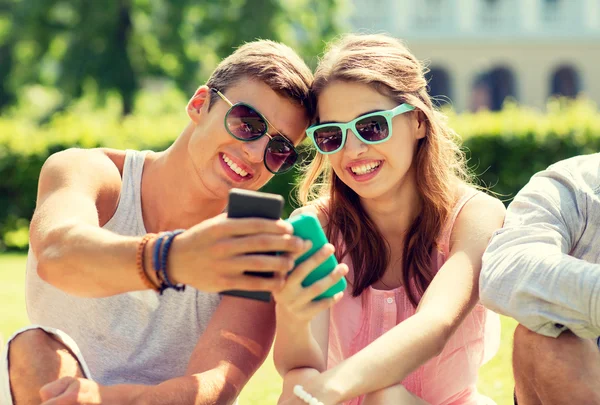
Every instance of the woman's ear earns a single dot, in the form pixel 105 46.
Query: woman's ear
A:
pixel 197 102
pixel 421 123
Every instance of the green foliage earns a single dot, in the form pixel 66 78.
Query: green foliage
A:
pixel 119 45
pixel 505 148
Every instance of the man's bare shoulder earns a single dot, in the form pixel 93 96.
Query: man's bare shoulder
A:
pixel 74 164
pixel 96 172
pixel 117 156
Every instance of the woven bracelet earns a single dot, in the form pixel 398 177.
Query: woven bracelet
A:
pixel 156 260
pixel 163 262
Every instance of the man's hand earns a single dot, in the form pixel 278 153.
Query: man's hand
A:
pixel 213 255
pixel 70 390
pixel 80 391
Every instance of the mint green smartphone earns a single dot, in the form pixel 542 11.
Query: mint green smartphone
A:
pixel 307 226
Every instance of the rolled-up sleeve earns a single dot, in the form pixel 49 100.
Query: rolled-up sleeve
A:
pixel 528 272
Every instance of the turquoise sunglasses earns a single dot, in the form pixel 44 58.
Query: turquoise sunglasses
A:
pixel 370 128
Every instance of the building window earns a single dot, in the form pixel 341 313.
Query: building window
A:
pixel 432 14
pixel 497 15
pixel 366 20
pixel 565 82
pixel 552 11
pixel 491 89
pixel 560 14
pixel 438 82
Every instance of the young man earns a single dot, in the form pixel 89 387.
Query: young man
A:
pixel 104 336
pixel 543 269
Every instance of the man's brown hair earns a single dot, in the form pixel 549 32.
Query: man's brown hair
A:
pixel 272 63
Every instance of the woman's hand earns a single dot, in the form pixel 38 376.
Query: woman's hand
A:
pixel 295 302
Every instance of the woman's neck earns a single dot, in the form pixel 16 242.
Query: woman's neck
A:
pixel 394 213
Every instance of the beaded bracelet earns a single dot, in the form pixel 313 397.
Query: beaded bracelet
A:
pixel 305 396
pixel 141 262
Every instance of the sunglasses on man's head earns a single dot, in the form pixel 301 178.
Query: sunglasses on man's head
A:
pixel 370 128
pixel 245 123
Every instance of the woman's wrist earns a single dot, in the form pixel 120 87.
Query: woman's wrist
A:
pixel 287 319
pixel 326 389
pixel 301 393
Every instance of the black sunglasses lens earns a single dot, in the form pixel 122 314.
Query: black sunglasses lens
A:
pixel 328 139
pixel 245 123
pixel 373 129
pixel 280 155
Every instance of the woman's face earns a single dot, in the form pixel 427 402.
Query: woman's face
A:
pixel 372 171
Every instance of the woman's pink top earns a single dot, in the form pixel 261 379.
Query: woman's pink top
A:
pixel 449 378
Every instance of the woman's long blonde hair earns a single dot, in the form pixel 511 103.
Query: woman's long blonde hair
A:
pixel 386 65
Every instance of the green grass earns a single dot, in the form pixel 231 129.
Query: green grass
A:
pixel 12 294
pixel 495 377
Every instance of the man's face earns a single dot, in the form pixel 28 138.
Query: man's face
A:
pixel 223 162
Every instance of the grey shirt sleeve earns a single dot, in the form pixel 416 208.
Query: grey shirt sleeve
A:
pixel 527 271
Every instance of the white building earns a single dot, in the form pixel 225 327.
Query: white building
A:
pixel 481 51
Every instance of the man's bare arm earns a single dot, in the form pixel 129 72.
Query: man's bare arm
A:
pixel 230 351
pixel 65 235
pixel 79 191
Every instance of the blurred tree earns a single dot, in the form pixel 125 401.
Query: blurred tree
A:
pixel 115 45
pixel 7 96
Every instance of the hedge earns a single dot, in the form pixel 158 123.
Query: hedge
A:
pixel 504 148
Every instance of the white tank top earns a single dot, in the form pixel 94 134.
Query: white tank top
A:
pixel 137 337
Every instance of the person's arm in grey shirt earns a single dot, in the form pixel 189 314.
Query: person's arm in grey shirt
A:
pixel 527 271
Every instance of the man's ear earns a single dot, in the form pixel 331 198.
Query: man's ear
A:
pixel 199 100
pixel 421 123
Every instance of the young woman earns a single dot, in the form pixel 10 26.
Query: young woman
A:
pixel 390 187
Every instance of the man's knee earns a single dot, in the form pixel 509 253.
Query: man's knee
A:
pixel 558 370
pixel 541 352
pixel 25 346
pixel 36 352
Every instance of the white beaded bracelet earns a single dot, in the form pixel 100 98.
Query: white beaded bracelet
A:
pixel 305 396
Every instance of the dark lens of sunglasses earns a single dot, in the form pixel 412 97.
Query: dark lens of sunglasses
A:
pixel 373 128
pixel 245 123
pixel 280 155
pixel 328 139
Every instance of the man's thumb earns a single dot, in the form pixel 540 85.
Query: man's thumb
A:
pixel 55 388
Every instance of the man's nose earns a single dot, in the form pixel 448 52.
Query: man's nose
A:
pixel 255 150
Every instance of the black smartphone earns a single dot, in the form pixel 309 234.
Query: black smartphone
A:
pixel 254 204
